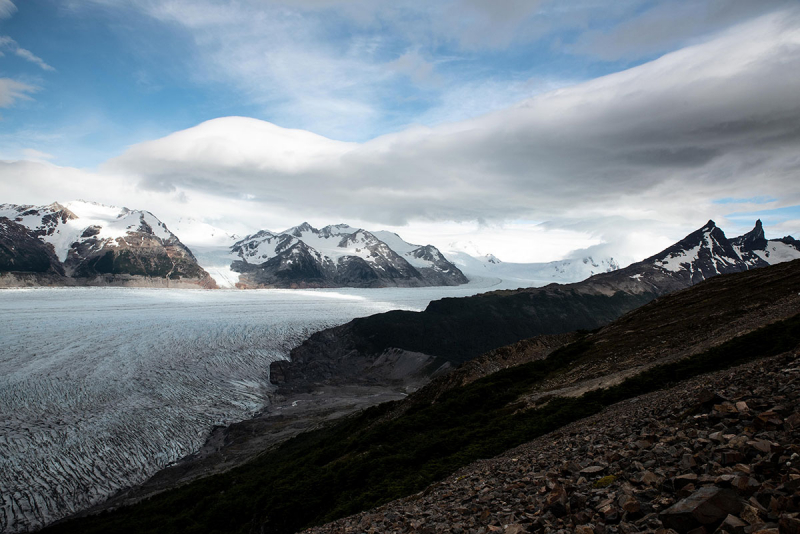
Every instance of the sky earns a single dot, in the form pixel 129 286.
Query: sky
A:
pixel 532 130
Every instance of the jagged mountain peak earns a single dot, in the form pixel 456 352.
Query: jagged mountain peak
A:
pixel 707 252
pixel 299 230
pixel 752 240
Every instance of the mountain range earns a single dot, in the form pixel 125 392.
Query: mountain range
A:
pixel 83 243
pixel 400 351
pixel 338 255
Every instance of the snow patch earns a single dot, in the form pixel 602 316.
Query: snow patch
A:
pixel 778 252
pixel 675 261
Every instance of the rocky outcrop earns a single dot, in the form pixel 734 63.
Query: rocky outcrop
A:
pixel 716 454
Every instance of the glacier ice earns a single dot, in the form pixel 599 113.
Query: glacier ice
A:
pixel 102 387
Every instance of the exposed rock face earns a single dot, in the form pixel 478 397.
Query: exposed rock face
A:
pixel 716 454
pixel 754 240
pixel 22 251
pixel 457 330
pixel 90 244
pixel 338 256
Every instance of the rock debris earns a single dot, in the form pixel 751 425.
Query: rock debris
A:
pixel 716 454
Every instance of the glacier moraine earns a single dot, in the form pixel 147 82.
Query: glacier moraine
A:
pixel 102 387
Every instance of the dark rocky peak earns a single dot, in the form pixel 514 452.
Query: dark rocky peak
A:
pixel 710 239
pixel 337 230
pixel 22 251
pixel 261 234
pixel 429 253
pixel 359 237
pixel 752 240
pixel 298 231
pixel 285 242
pixel 61 211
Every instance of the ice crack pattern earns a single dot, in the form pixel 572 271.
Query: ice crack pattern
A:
pixel 102 387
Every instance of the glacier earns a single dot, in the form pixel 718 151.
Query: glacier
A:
pixel 102 387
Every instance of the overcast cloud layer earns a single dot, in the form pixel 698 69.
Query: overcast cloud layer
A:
pixel 718 119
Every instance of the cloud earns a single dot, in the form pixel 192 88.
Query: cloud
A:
pixel 715 120
pixel 413 65
pixel 7 9
pixel 485 23
pixel 30 56
pixel 10 44
pixel 331 66
pixel 12 90
pixel 669 24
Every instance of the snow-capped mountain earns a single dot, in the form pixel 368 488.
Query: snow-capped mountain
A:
pixel 336 256
pixel 704 253
pixel 93 244
pixel 707 252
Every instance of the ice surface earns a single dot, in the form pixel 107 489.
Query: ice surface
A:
pixel 101 387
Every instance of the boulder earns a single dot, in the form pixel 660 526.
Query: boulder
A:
pixel 706 506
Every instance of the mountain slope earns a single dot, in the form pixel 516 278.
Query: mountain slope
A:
pixel 102 245
pixel 651 463
pixel 456 330
pixel 337 256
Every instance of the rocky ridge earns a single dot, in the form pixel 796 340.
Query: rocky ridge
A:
pixel 718 453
